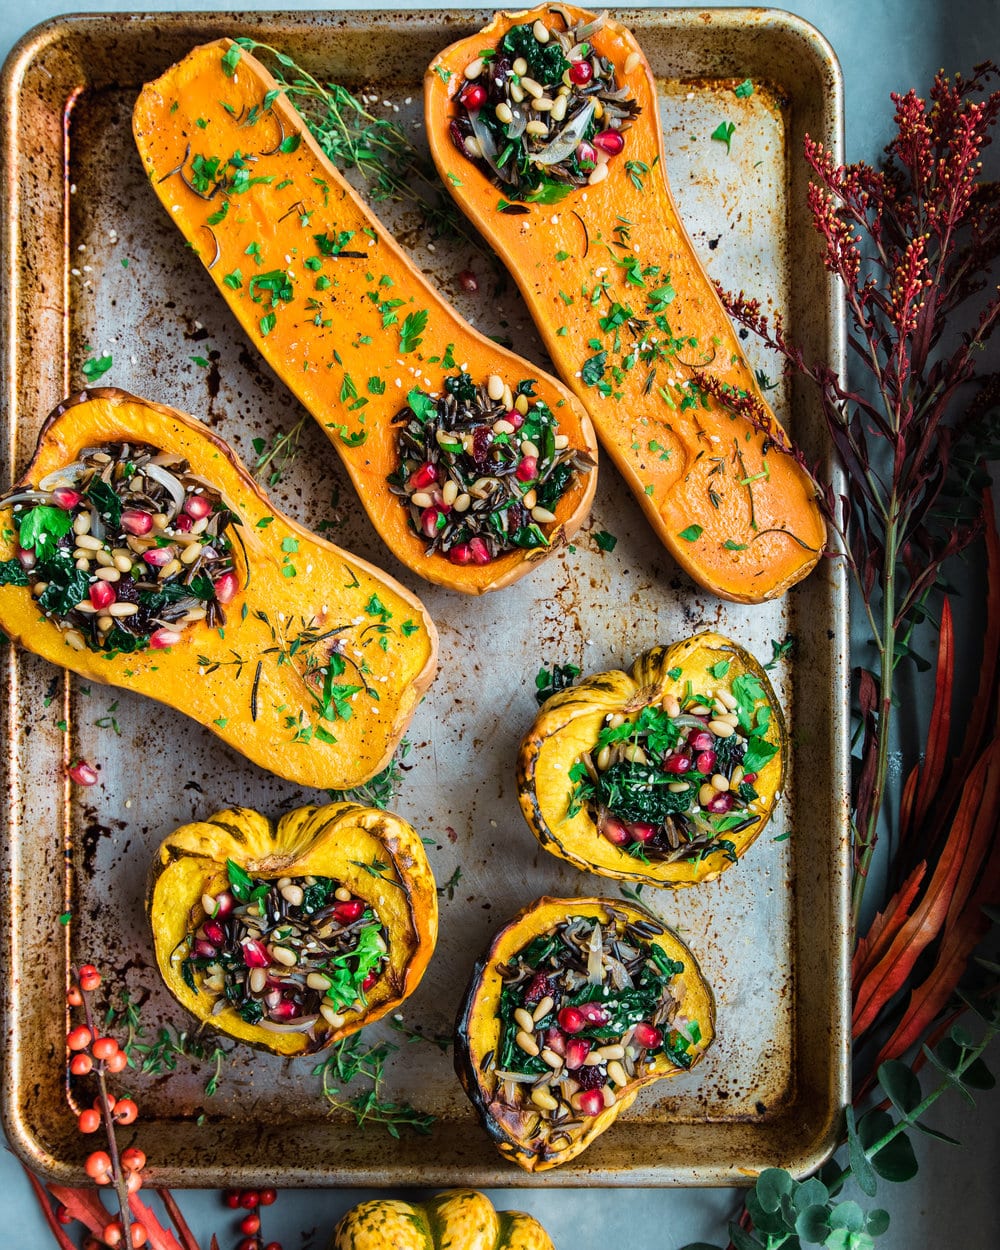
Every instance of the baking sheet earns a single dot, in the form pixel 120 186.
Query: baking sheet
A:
pixel 92 266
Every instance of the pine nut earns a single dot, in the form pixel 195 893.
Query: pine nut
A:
pixel 473 148
pixel 123 564
pixel 560 442
pixel 474 68
pixel 503 114
pixel 123 609
pixel 527 1043
pixel 104 623
pixel 191 553
pixel 678 787
pixel 446 439
pixel 87 542
pixel 257 980
pixel 520 66
pixel 86 607
pixel 536 127
pixel 725 697
pixel 200 526
pixel 552 1059
pixel 293 894
pixel 503 426
pixel 730 718
pixel 81 523
pixel 524 1020
pixel 617 1074
pixel 706 794
pixel 528 448
pixel 558 110
pixel 517 93
pixel 378 941
pixel 521 404
pixel 333 1018
pixel 170 570
pixel 421 499
pixel 282 955
pixel 615 1051
pixel 108 575
pixel 635 754
pixel 530 499
pixel 698 709
pixel 463 502
pixel 195 614
pixel 603 760
pixel 541 1097
pixel 508 398
pixel 534 89
pixel 737 777
pixel 540 31
pixel 342 894
pixel 73 638
pixel 494 386
pixel 104 558
pixel 543 104
pixel 609 1096
pixel 542 515
pixel 208 904
pixel 632 62
pixel 616 719
pixel 671 706
pixel 79 554
pixel 597 174
pixel 450 492
pixel 592 1060
pixel 160 520
pixel 720 783
pixel 543 1008
pixel 598 110
pixel 718 706
pixel 317 981
pixel 721 728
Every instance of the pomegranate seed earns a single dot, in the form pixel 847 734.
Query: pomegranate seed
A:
pixel 479 551
pixel 89 1121
pixel 98 1167
pixel 159 557
pixel 586 154
pixel 25 557
pixel 369 981
pixel 347 913
pixel 700 740
pixel 423 476
pixel 226 587
pixel 102 594
pixel 255 954
pixel 540 986
pixel 721 804
pixel 65 498
pixel 88 977
pixel 468 281
pixel 515 418
pixel 461 553
pixel 163 637
pixel 430 520
pixel 232 1199
pixel 196 507
pixel 613 829
pixel 285 1010
pixel 79 1038
pixel 527 470
pixel 133 1159
pixel 589 1101
pixel 250 1224
pixel 126 1112
pixel 704 761
pixel 136 522
pixel 268 1197
pixel 84 775
pixel 609 141
pixel 594 1013
pixel 117 1062
pixel 203 950
pixel 473 97
pixel 249 1199
pixel 81 1065
pixel 223 903
pixel 183 523
pixel 677 763
pixel 213 932
pixel 104 1047
pixel 555 1040
pixel 580 72
pixel 749 778
pixel 647 1036
pixel 571 1019
pixel 63 1215
pixel 641 831
pixel 577 1049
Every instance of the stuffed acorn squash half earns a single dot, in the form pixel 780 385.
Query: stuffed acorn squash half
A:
pixel 577 1005
pixel 292 935
pixel 664 774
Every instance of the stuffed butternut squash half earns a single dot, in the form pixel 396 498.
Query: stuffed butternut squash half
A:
pixel 138 551
pixel 278 935
pixel 471 464
pixel 578 1004
pixel 545 129
pixel 665 774
pixel 458 1219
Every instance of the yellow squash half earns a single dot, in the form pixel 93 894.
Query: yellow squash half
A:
pixel 458 1219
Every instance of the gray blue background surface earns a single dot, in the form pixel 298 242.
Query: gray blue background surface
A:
pixel 883 45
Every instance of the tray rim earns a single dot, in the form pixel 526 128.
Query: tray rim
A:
pixel 728 21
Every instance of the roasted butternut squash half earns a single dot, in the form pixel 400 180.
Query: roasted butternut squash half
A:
pixel 136 550
pixel 292 935
pixel 471 463
pixel 458 1219
pixel 545 129
pixel 665 774
pixel 578 1004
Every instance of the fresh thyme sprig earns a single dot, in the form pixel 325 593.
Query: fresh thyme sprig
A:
pixel 281 453
pixel 381 789
pixel 352 1059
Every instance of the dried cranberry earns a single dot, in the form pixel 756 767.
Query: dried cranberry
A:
pixel 593 1077
pixel 538 987
pixel 457 137
pixel 482 441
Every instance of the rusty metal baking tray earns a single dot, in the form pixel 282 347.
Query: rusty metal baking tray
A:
pixel 92 266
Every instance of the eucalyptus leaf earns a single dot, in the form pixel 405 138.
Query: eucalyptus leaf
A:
pixel 743 1240
pixel 848 1215
pixel 813 1225
pixel 896 1160
pixel 862 1170
pixel 877 1221
pixel 811 1193
pixel 772 1185
pixel 901 1085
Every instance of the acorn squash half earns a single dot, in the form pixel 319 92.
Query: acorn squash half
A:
pixel 546 1047
pixel 345 319
pixel 627 312
pixel 458 1219
pixel 665 774
pixel 246 912
pixel 267 684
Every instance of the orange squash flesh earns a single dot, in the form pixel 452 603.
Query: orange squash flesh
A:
pixel 264 708
pixel 737 513
pixel 335 341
